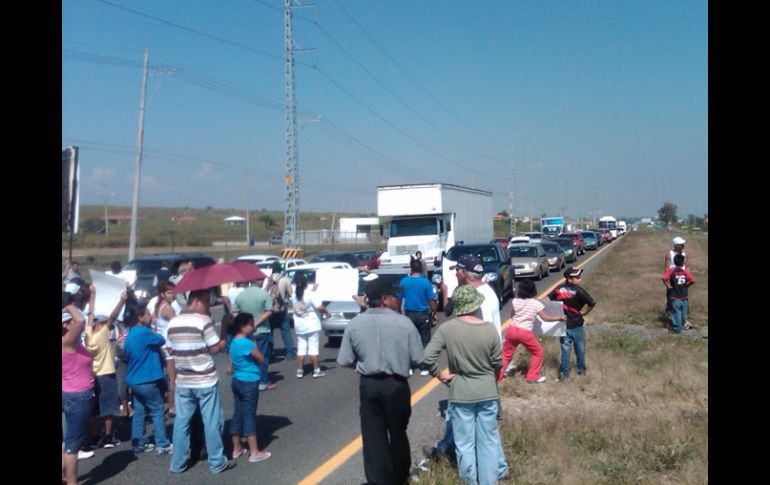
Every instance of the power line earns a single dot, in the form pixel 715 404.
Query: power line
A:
pixel 395 127
pixel 402 101
pixel 411 78
pixel 191 30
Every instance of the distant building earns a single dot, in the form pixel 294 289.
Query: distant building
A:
pixel 119 218
pixel 358 228
pixel 234 220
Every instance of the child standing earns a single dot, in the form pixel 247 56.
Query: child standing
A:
pixel 677 279
pixel 573 297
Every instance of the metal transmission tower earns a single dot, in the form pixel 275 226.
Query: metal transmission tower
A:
pixel 291 218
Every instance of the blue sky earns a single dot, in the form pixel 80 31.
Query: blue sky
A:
pixel 598 105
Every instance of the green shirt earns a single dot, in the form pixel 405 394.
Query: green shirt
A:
pixel 474 354
pixel 256 301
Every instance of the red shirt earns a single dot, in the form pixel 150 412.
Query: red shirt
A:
pixel 679 279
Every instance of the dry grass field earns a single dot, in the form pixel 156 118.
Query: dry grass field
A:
pixel 640 415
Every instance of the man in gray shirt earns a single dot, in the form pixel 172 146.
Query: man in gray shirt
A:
pixel 383 345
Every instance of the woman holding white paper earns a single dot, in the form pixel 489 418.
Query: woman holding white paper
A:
pixel 307 325
pixel 525 308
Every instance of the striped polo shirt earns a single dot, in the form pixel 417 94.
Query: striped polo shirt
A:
pixel 189 336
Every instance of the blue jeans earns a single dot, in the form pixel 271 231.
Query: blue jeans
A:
pixel 77 408
pixel 477 440
pixel 245 400
pixel 447 443
pixel 282 321
pixel 679 310
pixel 148 399
pixel 264 343
pixel 576 335
pixel 186 400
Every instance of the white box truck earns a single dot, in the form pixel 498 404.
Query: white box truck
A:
pixel 432 218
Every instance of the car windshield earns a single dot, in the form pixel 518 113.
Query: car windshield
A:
pixel 143 267
pixel 414 227
pixel 565 243
pixel 486 253
pixel 307 273
pixel 551 249
pixel 522 252
pixel 588 235
pixel 364 255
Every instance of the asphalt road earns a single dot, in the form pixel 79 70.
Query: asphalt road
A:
pixel 303 423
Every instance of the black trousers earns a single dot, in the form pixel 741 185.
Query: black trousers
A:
pixel 385 413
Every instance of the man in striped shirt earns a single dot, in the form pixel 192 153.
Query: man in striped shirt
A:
pixel 192 339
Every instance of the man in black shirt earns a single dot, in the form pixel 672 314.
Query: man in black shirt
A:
pixel 573 297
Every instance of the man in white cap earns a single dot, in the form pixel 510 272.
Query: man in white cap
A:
pixel 678 243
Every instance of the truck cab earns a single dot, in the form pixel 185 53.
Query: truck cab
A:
pixel 429 234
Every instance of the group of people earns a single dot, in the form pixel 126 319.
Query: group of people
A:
pixel 165 349
pixel 384 346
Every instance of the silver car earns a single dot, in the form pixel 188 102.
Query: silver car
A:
pixel 340 315
pixel 528 260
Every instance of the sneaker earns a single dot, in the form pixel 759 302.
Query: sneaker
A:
pixel 147 448
pixel 539 380
pixel 164 450
pixel 300 373
pixel 424 373
pixel 82 455
pixel 317 372
pixel 230 464
pixel 111 442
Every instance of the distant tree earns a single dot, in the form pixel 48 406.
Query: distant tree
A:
pixel 503 213
pixel 667 213
pixel 267 220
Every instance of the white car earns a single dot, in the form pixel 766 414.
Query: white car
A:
pixel 337 283
pixel 519 240
pixel 258 258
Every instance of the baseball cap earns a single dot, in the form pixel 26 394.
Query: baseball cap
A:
pixel 466 299
pixel 377 288
pixel 371 277
pixel 679 240
pixel 72 288
pixel 100 317
pixel 573 272
pixel 469 262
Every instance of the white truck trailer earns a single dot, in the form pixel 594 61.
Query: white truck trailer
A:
pixel 432 218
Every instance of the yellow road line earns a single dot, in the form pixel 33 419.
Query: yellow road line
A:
pixel 328 467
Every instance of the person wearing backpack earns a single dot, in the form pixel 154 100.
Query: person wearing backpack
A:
pixel 280 294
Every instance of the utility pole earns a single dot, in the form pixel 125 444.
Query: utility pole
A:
pixel 291 217
pixel 138 169
pixel 106 197
pixel 246 179
pixel 513 189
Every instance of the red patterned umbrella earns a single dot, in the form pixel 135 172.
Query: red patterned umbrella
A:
pixel 217 274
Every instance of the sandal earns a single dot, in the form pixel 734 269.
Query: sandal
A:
pixel 240 453
pixel 258 458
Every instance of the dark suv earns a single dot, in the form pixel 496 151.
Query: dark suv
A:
pixel 496 267
pixel 577 238
pixel 147 266
pixel 349 258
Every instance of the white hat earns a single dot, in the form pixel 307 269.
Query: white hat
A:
pixel 679 240
pixel 65 317
pixel 371 276
pixel 72 288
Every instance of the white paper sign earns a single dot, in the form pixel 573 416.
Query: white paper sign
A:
pixel 108 290
pixel 556 328
pixel 337 284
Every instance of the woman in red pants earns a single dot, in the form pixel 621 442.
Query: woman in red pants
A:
pixel 525 308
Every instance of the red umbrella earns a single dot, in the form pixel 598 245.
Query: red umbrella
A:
pixel 217 274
